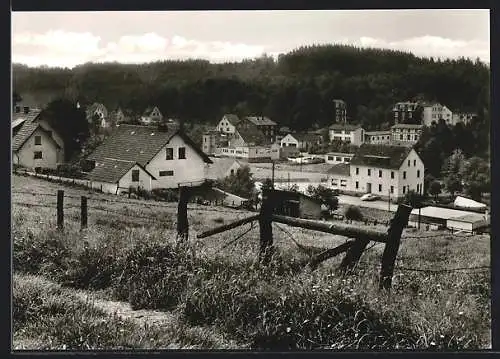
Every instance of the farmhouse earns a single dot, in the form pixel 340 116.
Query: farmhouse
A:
pixel 301 141
pixel 140 155
pixel 35 144
pixel 453 219
pixel 386 170
pixel 353 134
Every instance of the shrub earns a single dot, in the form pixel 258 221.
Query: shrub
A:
pixel 167 195
pixel 353 213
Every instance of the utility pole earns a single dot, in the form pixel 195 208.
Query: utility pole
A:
pixel 272 180
pixel 288 180
pixel 389 200
pixel 419 205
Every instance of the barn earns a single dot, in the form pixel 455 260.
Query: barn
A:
pixel 453 219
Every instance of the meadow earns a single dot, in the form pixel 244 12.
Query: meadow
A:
pixel 218 294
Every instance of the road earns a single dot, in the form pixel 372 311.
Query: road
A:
pixel 356 201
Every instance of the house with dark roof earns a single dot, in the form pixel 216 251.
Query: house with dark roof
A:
pixel 152 115
pixel 386 170
pixel 348 133
pixel 147 157
pixel 246 143
pixel 228 123
pixel 265 125
pixel 407 112
pixel 35 144
pixel 222 167
pixel 301 141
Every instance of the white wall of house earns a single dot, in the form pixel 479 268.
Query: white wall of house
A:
pixel 289 141
pixel 435 112
pixel 356 137
pixel 378 138
pixel 225 126
pixel 334 158
pixel 246 152
pixel 375 180
pixel 105 187
pixel 406 134
pixel 51 154
pixel 414 169
pixel 145 181
pixel 341 182
pixel 190 169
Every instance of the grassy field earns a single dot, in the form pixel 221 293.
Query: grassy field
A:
pixel 128 254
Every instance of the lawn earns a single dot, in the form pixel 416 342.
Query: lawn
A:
pixel 129 251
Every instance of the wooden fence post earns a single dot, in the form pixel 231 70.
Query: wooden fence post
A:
pixel 266 228
pixel 395 230
pixel 353 254
pixel 60 209
pixel 182 217
pixel 84 213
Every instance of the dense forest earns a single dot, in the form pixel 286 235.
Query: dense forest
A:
pixel 296 90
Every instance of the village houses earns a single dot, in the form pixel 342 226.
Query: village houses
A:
pixel 147 157
pixel 35 144
pixel 301 141
pixel 387 171
pixel 353 134
pixel 98 112
pixel 152 115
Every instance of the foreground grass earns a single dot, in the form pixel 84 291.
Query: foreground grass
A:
pixel 282 306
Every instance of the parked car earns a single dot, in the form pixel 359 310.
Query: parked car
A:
pixel 369 197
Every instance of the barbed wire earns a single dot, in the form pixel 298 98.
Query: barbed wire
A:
pixel 235 239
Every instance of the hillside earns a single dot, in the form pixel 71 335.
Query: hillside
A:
pixel 296 90
pixel 214 293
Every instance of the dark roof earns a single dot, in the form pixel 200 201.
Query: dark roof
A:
pixel 375 133
pixel 251 135
pixel 149 110
pixel 305 137
pixel 340 169
pixel 347 127
pixel 27 129
pixel 139 144
pixel 381 156
pixel 282 195
pixel 407 125
pixel 285 129
pixel 234 119
pixel 112 170
pixel 220 167
pixel 261 120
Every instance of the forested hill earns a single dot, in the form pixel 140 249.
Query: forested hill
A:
pixel 296 90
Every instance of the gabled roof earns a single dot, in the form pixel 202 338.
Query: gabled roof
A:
pixel 261 121
pixel 346 127
pixel 305 137
pixel 149 110
pixel 251 134
pixel 27 129
pixel 220 167
pixel 112 170
pixel 234 119
pixel 381 156
pixel 340 169
pixel 139 144
pixel 408 125
pixel 17 122
pixel 95 106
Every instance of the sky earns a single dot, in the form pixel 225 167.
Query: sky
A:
pixel 67 39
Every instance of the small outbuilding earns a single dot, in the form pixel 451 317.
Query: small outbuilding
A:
pixel 453 219
pixel 295 204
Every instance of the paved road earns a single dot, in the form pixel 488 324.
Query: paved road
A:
pixel 356 201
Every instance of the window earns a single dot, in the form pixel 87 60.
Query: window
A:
pixel 357 184
pixel 135 175
pixel 357 170
pixel 404 174
pixel 408 163
pixel 330 158
pixel 408 137
pixel 379 173
pixel 392 174
pixel 369 172
pixel 418 173
pixel 392 189
pixel 401 137
pixel 380 188
pixel 338 159
pixel 404 189
pixel 182 153
pixel 347 159
pixel 170 153
pixel 166 173
pixel 414 163
pixel 38 140
pixel 37 155
pixel 343 183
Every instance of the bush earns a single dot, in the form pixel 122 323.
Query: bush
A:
pixel 353 213
pixel 167 195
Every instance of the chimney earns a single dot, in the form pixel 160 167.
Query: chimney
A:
pixel 18 109
pixel 26 109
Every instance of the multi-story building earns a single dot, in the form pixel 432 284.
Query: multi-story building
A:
pixel 338 157
pixel 353 134
pixel 434 112
pixel 406 133
pixel 213 139
pixel 268 127
pixel 463 117
pixel 378 137
pixel 386 170
pixel 340 111
pixel 406 112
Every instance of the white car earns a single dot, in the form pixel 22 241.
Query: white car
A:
pixel 369 197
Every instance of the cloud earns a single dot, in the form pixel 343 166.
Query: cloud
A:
pixel 67 49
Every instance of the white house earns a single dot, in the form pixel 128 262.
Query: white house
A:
pixel 378 137
pixel 463 117
pixel 353 134
pixel 339 177
pixel 386 170
pixel 35 143
pixel 228 123
pixel 435 111
pixel 301 141
pixel 167 158
pixel 99 111
pixel 338 157
pixel 406 133
pixel 151 115
pixel 223 167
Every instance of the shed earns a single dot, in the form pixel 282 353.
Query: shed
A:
pixel 449 218
pixel 468 223
pixel 295 204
